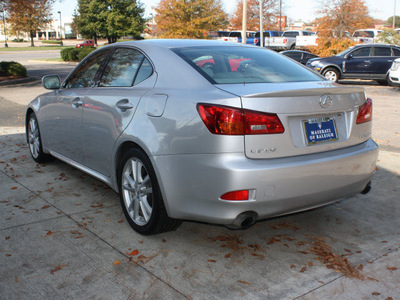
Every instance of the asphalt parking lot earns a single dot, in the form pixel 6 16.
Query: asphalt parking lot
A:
pixel 63 233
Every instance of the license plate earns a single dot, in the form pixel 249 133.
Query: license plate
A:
pixel 320 130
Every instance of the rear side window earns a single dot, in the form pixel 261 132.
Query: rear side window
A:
pixel 122 68
pixel 396 52
pixel 382 51
pixel 237 64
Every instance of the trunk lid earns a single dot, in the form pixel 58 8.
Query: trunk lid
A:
pixel 317 117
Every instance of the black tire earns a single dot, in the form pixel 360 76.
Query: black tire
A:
pixel 332 74
pixel 34 140
pixel 384 82
pixel 140 195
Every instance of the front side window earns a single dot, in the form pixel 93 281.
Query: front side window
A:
pixel 361 52
pixel 85 75
pixel 236 64
pixel 122 68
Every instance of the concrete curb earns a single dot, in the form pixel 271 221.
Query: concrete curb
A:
pixel 72 63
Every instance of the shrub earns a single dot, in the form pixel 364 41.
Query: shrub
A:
pixel 18 40
pixel 12 68
pixel 64 53
pixel 52 42
pixel 85 51
pixel 75 54
pixel 329 46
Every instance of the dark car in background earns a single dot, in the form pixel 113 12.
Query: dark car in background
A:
pixel 365 61
pixel 300 56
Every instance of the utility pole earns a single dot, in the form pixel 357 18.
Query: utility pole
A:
pixel 394 14
pixel 261 25
pixel 244 22
pixel 61 44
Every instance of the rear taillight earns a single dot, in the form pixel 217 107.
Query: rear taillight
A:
pixel 365 112
pixel 284 41
pixel 235 121
pixel 236 196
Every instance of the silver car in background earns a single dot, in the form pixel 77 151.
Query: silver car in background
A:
pixel 205 130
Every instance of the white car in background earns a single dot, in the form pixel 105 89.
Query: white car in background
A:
pixel 394 72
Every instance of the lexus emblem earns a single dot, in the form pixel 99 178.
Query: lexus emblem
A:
pixel 325 101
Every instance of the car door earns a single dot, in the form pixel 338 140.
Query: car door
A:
pixel 110 106
pixel 382 60
pixel 358 63
pixel 63 115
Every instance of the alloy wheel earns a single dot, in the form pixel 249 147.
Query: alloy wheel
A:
pixel 137 191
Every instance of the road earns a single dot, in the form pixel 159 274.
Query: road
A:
pixel 63 233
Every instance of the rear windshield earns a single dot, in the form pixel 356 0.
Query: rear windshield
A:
pixel 225 65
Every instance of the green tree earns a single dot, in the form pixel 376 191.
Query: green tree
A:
pixel 111 19
pixel 389 36
pixel 29 15
pixel 189 18
pixel 396 21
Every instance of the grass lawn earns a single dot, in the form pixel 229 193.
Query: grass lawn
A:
pixel 36 48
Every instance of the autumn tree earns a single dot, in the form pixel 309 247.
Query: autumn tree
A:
pixel 29 15
pixel 338 19
pixel 111 19
pixel 189 18
pixel 270 13
pixel 339 16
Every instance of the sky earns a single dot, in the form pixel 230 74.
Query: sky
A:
pixel 294 9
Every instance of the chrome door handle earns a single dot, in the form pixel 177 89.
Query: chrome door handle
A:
pixel 390 60
pixel 124 105
pixel 77 102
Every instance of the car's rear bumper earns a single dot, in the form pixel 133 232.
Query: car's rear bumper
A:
pixel 192 184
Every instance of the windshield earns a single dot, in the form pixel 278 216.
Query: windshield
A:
pixel 225 65
pixel 344 52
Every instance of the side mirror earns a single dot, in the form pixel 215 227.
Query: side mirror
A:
pixel 51 82
pixel 350 56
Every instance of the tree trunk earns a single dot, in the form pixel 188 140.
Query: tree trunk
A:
pixel 32 44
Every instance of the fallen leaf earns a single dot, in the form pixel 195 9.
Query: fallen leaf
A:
pixel 8 254
pixel 304 252
pixel 292 266
pixel 121 221
pixel 303 269
pixel 227 255
pixel 134 252
pixel 46 206
pixel 14 188
pixel 49 232
pixel 211 260
pixel 244 282
pixel 16 279
pixel 57 268
pixel 117 262
pixel 392 268
pixel 164 240
pixel 7 238
pixel 376 293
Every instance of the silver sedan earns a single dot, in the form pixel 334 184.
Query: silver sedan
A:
pixel 206 131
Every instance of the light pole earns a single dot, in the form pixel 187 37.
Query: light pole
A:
pixel 5 33
pixel 60 29
pixel 394 14
pixel 244 22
